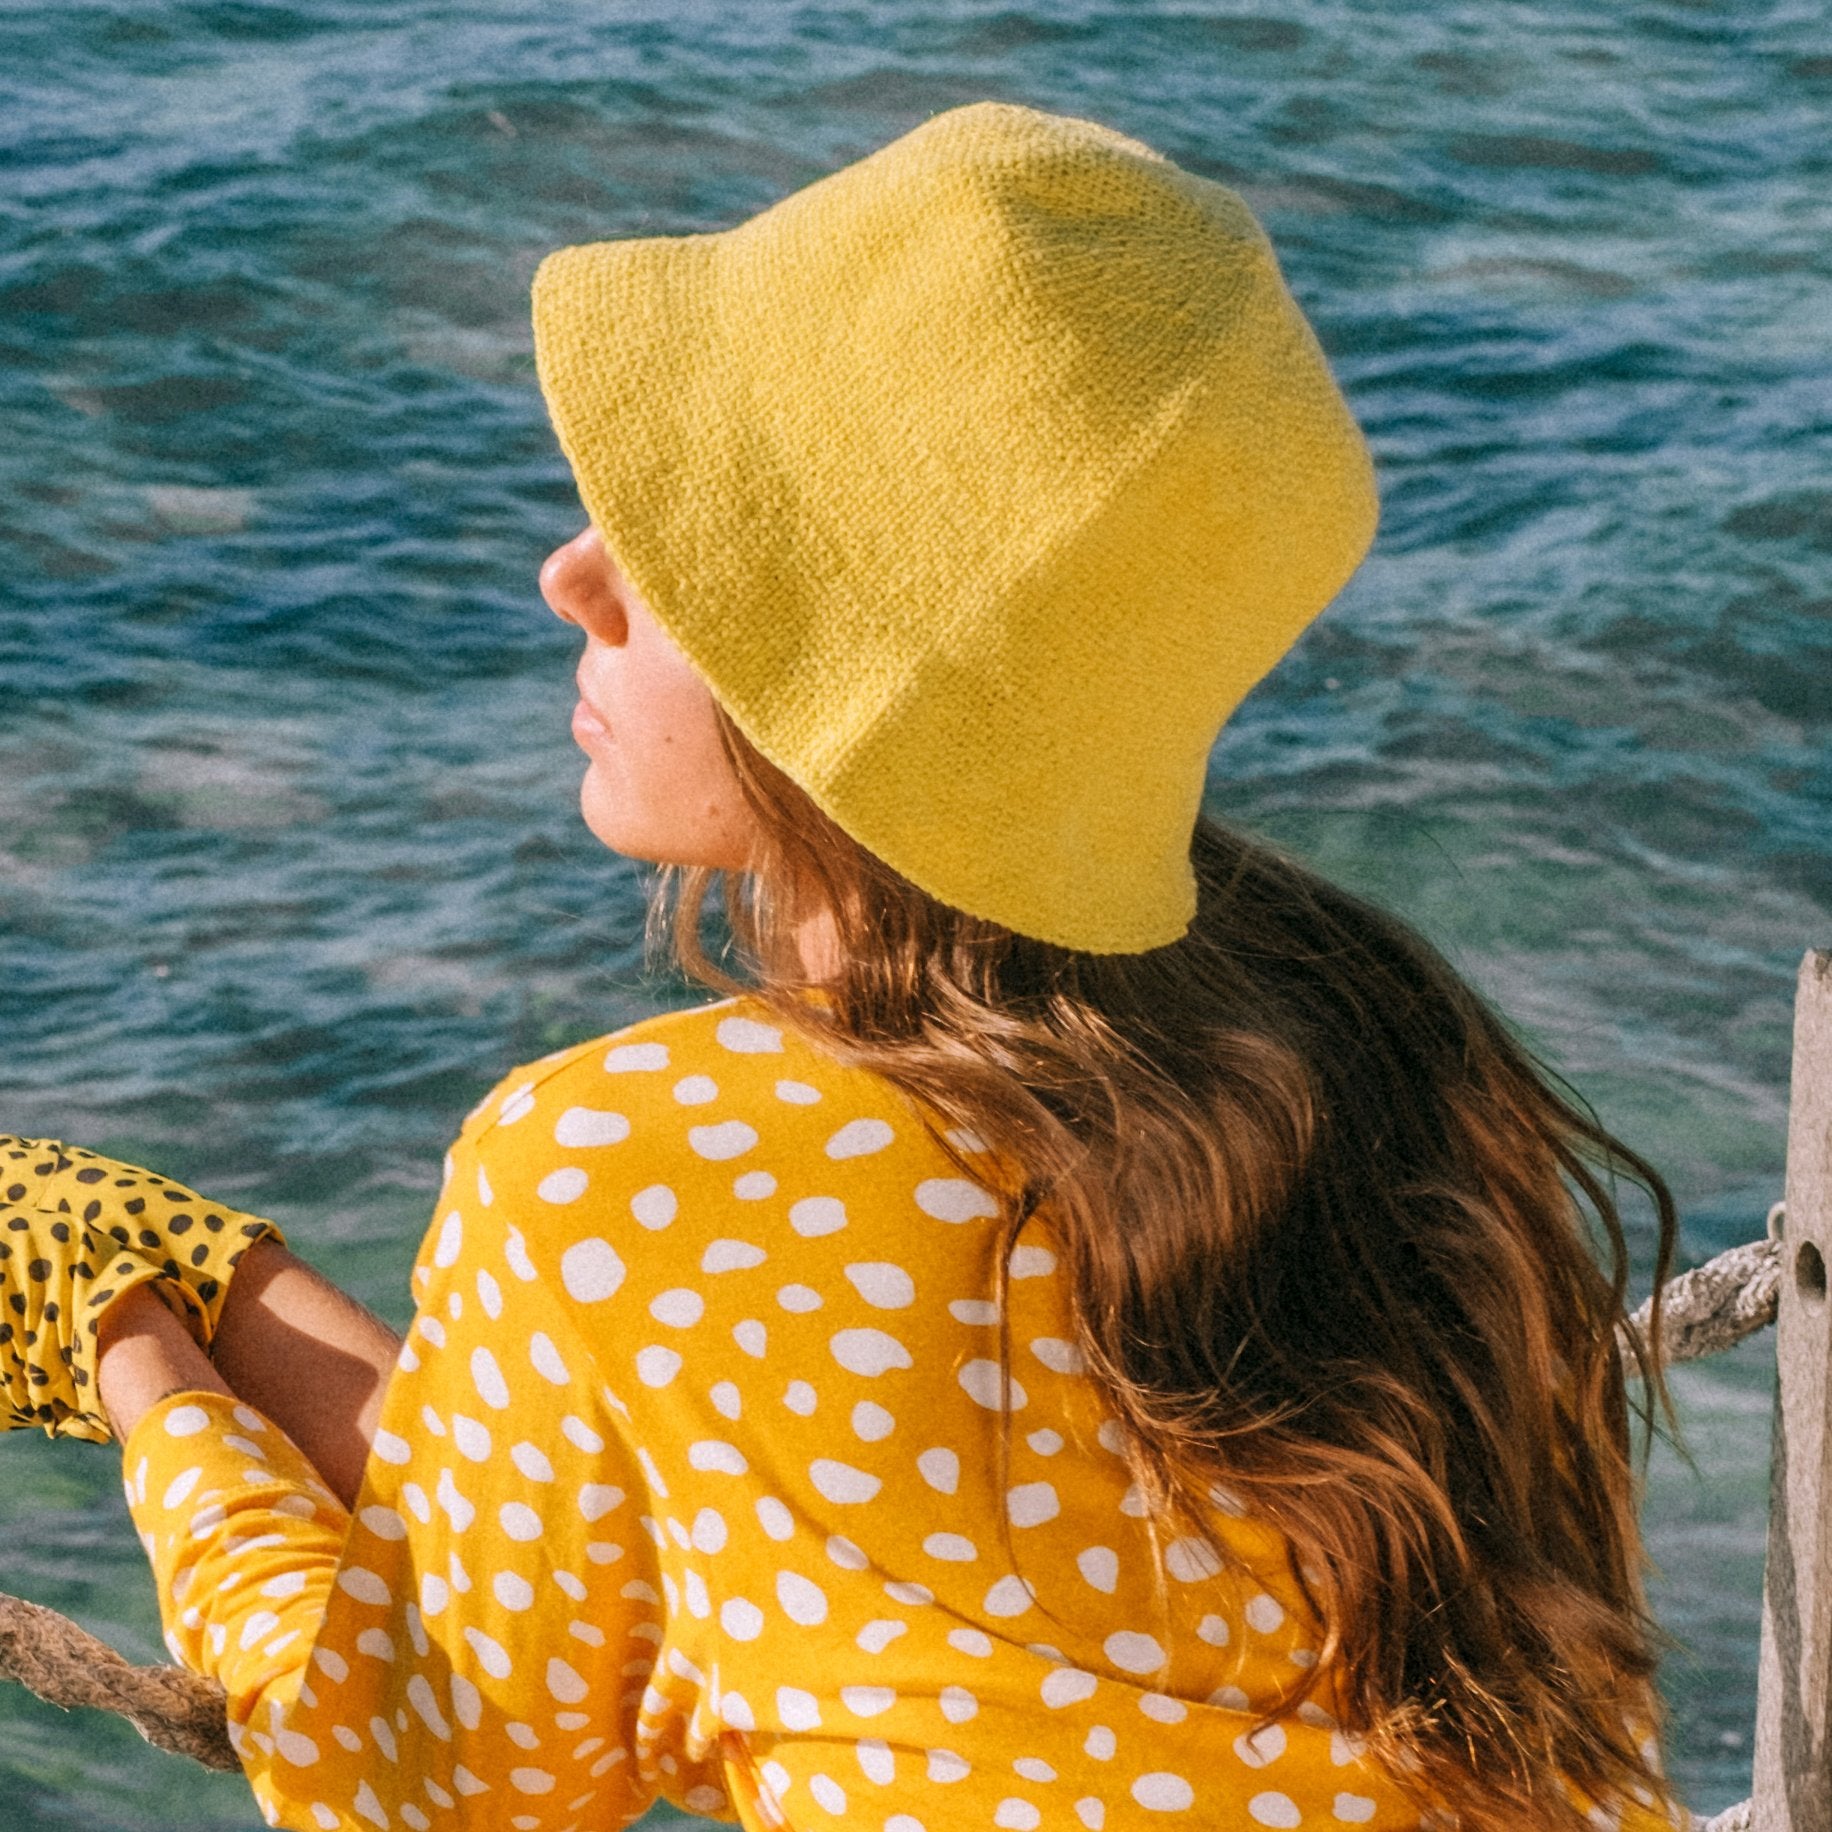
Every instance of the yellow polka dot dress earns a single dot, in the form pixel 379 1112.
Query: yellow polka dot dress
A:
pixel 688 1486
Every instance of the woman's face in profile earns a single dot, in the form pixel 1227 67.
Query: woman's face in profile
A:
pixel 658 784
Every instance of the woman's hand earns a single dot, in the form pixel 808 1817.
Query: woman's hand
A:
pixel 290 1344
pixel 77 1232
pixel 58 1276
pixel 144 1354
pixel 80 1233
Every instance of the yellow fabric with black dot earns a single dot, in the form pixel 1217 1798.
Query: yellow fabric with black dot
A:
pixel 981 480
pixel 77 1230
pixel 688 1487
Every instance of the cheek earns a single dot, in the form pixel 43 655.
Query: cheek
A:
pixel 660 785
pixel 675 714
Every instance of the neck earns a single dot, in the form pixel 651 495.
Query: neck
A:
pixel 817 941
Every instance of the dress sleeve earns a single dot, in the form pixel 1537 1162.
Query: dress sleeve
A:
pixel 470 1646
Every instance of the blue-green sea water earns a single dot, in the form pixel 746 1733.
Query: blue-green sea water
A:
pixel 290 862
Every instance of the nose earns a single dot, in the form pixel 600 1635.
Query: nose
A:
pixel 579 584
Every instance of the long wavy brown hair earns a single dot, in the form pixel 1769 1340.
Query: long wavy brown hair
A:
pixel 1336 1240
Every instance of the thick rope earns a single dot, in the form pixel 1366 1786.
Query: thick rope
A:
pixel 1740 1818
pixel 66 1665
pixel 1705 1310
pixel 1714 1306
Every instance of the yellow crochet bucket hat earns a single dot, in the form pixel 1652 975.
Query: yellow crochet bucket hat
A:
pixel 980 480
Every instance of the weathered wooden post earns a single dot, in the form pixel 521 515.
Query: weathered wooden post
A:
pixel 1793 1757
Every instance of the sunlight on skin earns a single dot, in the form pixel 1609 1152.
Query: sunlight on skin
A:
pixel 658 784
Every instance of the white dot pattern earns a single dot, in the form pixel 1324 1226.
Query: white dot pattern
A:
pixel 699 1437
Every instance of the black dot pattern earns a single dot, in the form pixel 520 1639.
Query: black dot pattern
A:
pixel 78 1230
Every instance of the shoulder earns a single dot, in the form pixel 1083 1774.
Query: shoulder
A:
pixel 700 1056
pixel 717 1133
pixel 719 1103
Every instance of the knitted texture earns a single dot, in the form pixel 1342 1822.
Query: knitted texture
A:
pixel 980 480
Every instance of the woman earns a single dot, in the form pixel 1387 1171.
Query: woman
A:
pixel 1098 1327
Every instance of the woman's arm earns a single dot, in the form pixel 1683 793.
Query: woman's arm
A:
pixel 289 1343
pixel 489 1597
pixel 308 1356
pixel 145 1355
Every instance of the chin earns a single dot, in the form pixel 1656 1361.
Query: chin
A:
pixel 633 842
pixel 611 826
pixel 602 822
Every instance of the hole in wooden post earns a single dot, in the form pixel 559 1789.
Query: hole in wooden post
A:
pixel 1810 1273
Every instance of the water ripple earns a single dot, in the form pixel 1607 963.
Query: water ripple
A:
pixel 290 863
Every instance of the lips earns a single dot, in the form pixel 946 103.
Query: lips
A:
pixel 587 726
pixel 587 720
